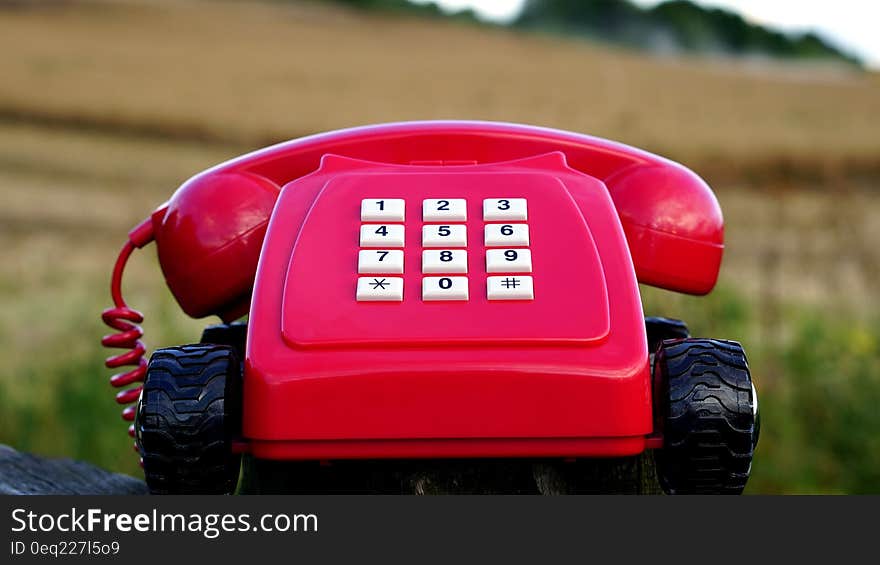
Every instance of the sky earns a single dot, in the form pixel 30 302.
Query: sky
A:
pixel 849 24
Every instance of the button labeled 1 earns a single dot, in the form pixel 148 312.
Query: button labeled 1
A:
pixel 514 209
pixel 507 235
pixel 510 288
pixel 445 288
pixel 380 289
pixel 444 210
pixel 387 261
pixel 508 261
pixel 381 235
pixel 444 236
pixel 382 210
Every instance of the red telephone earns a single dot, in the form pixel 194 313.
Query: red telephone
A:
pixel 430 289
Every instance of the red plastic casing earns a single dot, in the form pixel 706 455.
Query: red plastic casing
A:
pixel 563 375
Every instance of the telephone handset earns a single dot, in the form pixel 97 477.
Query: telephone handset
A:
pixel 210 234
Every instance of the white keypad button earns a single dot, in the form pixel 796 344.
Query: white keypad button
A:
pixel 510 288
pixel 444 261
pixel 444 236
pixel 444 210
pixel 373 289
pixel 500 209
pixel 381 235
pixel 445 288
pixel 382 210
pixel 507 235
pixel 388 261
pixel 508 261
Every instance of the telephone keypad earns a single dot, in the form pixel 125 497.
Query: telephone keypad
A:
pixel 507 235
pixel 505 209
pixel 383 209
pixel 444 261
pixel 444 235
pixel 380 289
pixel 382 235
pixel 508 261
pixel 444 210
pixel 380 261
pixel 444 253
pixel 444 288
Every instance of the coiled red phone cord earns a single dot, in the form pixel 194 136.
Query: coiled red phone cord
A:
pixel 125 320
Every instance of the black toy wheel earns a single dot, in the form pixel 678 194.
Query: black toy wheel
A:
pixel 708 417
pixel 234 335
pixel 188 414
pixel 660 329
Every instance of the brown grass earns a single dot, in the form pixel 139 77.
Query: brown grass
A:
pixel 251 73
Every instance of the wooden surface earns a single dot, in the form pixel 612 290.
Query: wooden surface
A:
pixel 21 473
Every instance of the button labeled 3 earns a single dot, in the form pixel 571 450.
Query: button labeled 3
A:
pixel 500 209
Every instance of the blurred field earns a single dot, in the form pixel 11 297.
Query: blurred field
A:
pixel 105 109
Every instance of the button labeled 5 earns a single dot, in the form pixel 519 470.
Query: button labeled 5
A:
pixel 444 236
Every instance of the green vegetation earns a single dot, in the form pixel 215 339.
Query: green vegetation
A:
pixel 818 390
pixel 677 26
pixel 673 26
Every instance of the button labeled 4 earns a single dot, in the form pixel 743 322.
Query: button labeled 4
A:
pixel 381 235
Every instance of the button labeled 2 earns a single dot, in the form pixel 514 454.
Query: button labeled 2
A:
pixel 381 235
pixel 444 210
